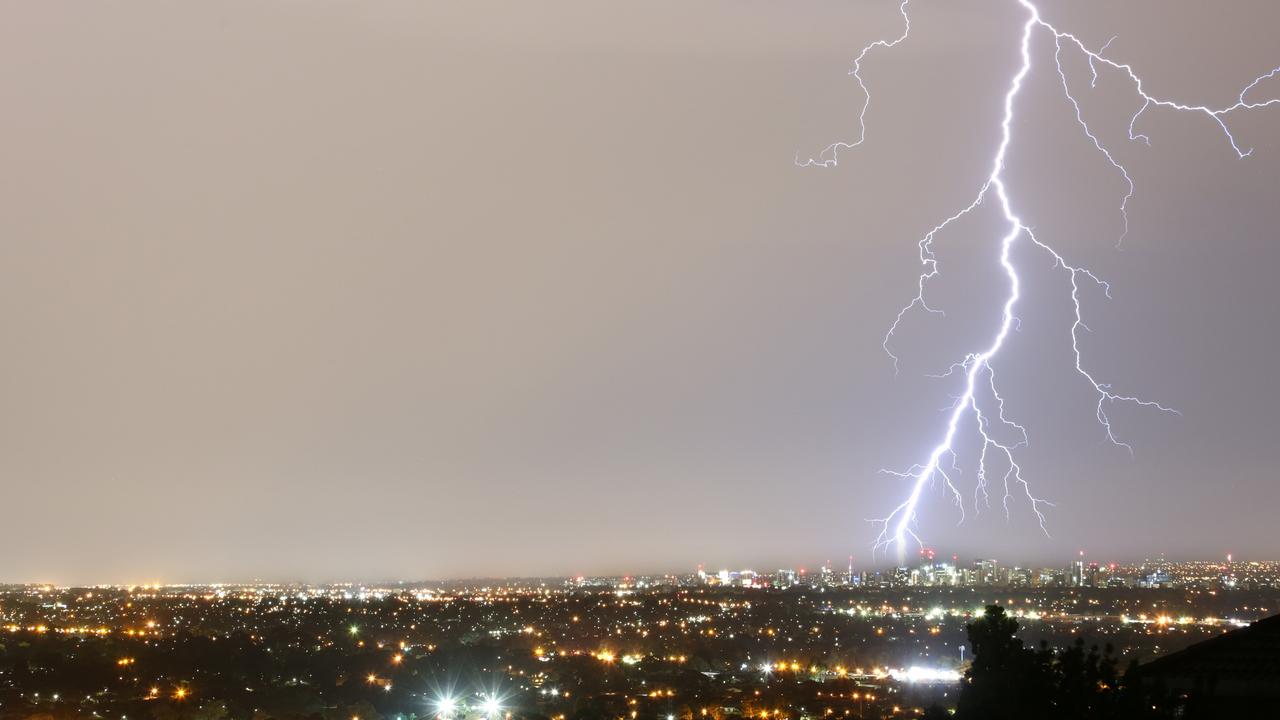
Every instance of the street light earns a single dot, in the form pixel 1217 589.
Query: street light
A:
pixel 445 706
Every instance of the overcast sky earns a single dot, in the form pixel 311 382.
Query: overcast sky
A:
pixel 340 289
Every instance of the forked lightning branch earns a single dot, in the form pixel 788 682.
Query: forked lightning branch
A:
pixel 979 402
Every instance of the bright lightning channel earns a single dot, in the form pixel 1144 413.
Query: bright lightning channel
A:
pixel 979 375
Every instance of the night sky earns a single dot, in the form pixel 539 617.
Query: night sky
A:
pixel 382 290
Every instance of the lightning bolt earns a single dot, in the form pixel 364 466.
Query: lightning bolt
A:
pixel 980 401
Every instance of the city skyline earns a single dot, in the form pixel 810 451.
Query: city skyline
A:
pixel 688 649
pixel 811 570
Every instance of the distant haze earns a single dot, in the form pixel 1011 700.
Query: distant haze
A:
pixel 340 289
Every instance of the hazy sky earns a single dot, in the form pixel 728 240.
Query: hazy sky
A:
pixel 417 289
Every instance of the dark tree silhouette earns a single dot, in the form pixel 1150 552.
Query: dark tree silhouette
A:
pixel 1005 681
pixel 1008 681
